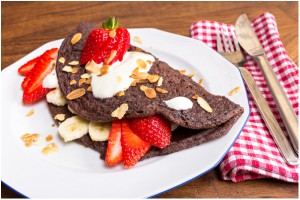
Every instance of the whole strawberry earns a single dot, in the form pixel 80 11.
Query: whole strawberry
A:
pixel 155 130
pixel 107 44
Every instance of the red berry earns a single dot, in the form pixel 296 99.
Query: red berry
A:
pixel 133 146
pixel 155 130
pixel 114 149
pixel 27 67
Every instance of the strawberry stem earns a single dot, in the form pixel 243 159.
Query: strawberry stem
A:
pixel 112 23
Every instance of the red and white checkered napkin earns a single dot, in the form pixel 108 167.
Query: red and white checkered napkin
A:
pixel 255 154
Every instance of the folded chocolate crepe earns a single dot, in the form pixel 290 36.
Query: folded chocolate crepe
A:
pixel 195 125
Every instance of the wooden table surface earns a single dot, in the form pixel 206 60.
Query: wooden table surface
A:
pixel 28 25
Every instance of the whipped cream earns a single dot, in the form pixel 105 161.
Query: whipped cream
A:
pixel 118 77
pixel 179 103
pixel 51 81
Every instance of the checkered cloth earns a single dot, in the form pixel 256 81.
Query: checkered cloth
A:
pixel 254 154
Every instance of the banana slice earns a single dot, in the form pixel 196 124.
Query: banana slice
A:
pixel 73 128
pixel 56 97
pixel 99 131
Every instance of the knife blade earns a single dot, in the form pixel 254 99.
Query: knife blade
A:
pixel 250 43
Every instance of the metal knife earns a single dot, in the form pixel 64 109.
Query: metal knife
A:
pixel 250 43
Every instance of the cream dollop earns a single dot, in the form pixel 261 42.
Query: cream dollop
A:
pixel 179 103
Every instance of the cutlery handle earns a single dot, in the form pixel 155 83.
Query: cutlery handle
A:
pixel 272 124
pixel 283 104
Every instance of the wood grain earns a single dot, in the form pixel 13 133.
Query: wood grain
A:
pixel 28 25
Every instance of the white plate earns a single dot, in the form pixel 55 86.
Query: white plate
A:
pixel 77 172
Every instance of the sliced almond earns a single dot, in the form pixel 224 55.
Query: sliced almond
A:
pixel 161 90
pixel 135 71
pixel 104 69
pixel 73 82
pixel 62 60
pixel 76 38
pixel 149 62
pixel 75 62
pixel 89 89
pixel 235 90
pixel 121 93
pixel 85 75
pixel 60 117
pixel 76 93
pixel 49 138
pixel 141 63
pixel 81 81
pixel 74 70
pixel 31 112
pixel 160 81
pixel 30 139
pixel 182 71
pixel 142 81
pixel 153 78
pixel 133 84
pixel 67 68
pixel 111 56
pixel 137 39
pixel 51 148
pixel 195 96
pixel 200 81
pixel 141 75
pixel 150 93
pixel 120 111
pixel 88 81
pixel 143 87
pixel 203 104
pixel 192 74
pixel 92 67
pixel 112 33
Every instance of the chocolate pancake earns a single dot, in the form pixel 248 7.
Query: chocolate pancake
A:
pixel 96 109
pixel 182 138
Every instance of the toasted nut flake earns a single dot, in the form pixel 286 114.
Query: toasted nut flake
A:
pixel 60 117
pixel 111 56
pixel 160 90
pixel 200 81
pixel 235 90
pixel 72 82
pixel 49 138
pixel 135 71
pixel 31 112
pixel 62 60
pixel 192 74
pixel 53 125
pixel 142 81
pixel 89 89
pixel 75 62
pixel 76 38
pixel 119 79
pixel 203 104
pixel 88 81
pixel 74 70
pixel 150 93
pixel 137 39
pixel 120 111
pixel 112 33
pixel 143 87
pixel 195 96
pixel 30 139
pixel 81 81
pixel 67 68
pixel 182 71
pixel 134 83
pixel 92 67
pixel 76 93
pixel 160 81
pixel 121 93
pixel 141 75
pixel 153 78
pixel 85 75
pixel 51 148
pixel 141 63
pixel 149 62
pixel 104 69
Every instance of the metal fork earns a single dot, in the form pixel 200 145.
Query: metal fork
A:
pixel 233 53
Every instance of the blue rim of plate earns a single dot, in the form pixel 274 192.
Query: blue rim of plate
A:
pixel 197 176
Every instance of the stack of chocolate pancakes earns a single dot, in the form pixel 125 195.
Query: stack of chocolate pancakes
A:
pixel 196 125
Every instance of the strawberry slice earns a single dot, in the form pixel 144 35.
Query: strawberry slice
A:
pixel 155 130
pixel 114 149
pixel 27 67
pixel 34 90
pixel 133 146
pixel 25 81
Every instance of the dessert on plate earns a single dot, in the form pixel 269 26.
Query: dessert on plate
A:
pixel 122 101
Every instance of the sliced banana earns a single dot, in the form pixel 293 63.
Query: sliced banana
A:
pixel 71 110
pixel 174 126
pixel 99 131
pixel 56 97
pixel 73 128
